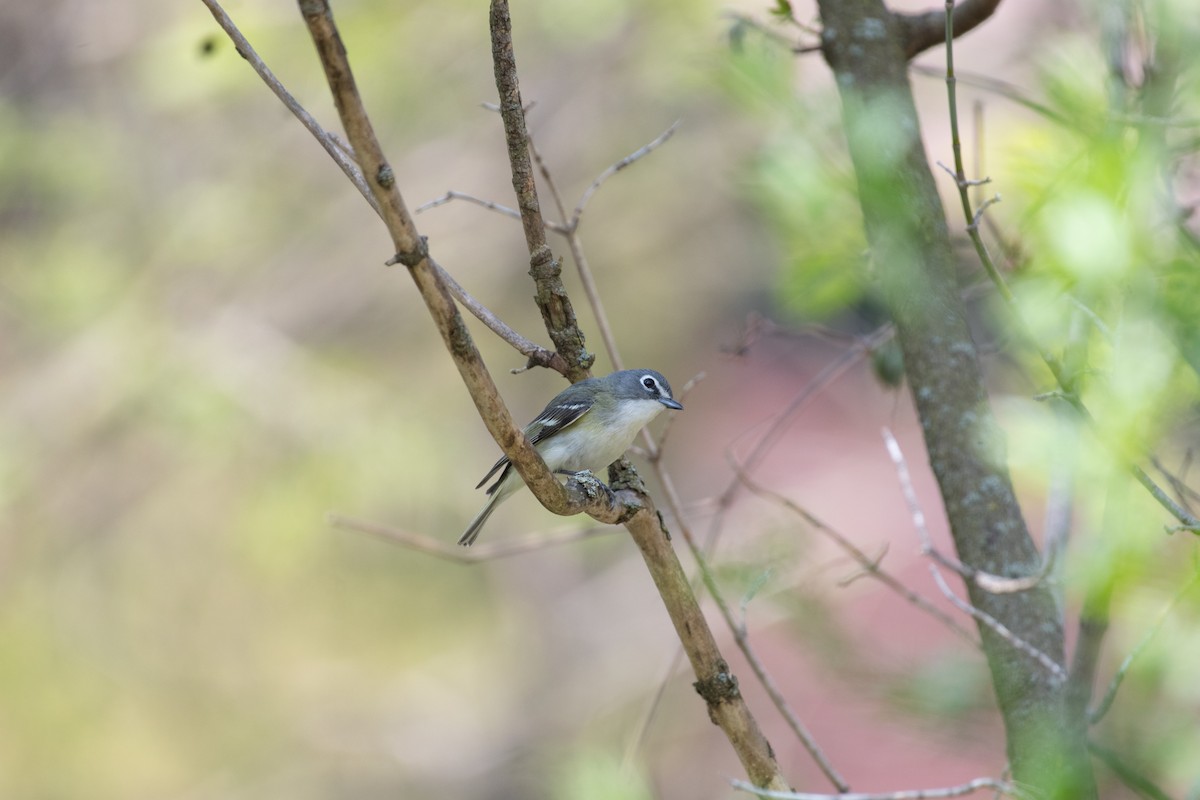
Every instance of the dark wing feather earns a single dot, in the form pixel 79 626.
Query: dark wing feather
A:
pixel 503 462
pixel 555 418
pixel 562 411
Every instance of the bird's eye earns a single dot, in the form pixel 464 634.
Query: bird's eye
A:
pixel 649 383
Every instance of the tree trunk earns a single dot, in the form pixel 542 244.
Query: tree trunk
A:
pixel 911 252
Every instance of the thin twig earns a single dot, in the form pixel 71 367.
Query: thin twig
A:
pixel 1143 786
pixel 984 206
pixel 918 518
pixel 344 158
pixel 534 353
pixel 1097 714
pixel 724 502
pixel 575 245
pixel 683 393
pixel 870 566
pixel 339 152
pixel 488 204
pixel 501 548
pixel 977 785
pixel 1004 89
pixel 998 627
pixel 412 251
pixel 641 152
pixel 1100 325
pixel 551 295
pixel 1189 522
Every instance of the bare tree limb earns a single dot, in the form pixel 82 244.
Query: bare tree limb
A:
pixel 411 250
pixel 985 619
pixel 871 567
pixel 928 29
pixel 977 785
pixel 1131 777
pixel 489 551
pixel 613 169
pixel 552 300
pixel 1114 685
pixel 1066 380
pixel 344 158
pixel 714 680
pixel 587 279
pixel 865 46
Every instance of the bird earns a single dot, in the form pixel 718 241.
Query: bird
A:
pixel 586 427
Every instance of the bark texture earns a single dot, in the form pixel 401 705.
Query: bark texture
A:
pixel 865 45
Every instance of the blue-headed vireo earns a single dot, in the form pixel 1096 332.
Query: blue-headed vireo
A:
pixel 588 426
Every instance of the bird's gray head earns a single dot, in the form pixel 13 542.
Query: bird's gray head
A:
pixel 643 384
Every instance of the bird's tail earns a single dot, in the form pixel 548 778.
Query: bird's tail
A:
pixel 468 538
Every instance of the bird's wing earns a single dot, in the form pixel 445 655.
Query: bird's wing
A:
pixel 553 418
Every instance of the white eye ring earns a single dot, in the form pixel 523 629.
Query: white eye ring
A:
pixel 649 383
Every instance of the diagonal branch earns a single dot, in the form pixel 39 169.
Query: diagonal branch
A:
pixel 906 229
pixel 629 504
pixel 552 300
pixel 344 158
pixel 977 785
pixel 928 29
pixel 714 680
pixel 412 251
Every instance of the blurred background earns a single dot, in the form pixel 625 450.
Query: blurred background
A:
pixel 202 357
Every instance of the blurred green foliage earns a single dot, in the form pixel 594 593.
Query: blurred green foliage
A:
pixel 201 356
pixel 1097 237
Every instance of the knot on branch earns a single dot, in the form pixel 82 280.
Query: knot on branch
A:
pixel 590 488
pixel 311 8
pixel 720 688
pixel 385 177
pixel 414 255
pixel 543 264
pixel 622 475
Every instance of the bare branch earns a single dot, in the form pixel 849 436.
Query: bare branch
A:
pixel 590 290
pixel 641 152
pixel 975 220
pixel 535 354
pixel 488 204
pixel 918 518
pixel 928 29
pixel 870 566
pixel 1001 88
pixel 977 785
pixel 998 627
pixel 411 250
pixel 1135 780
pixel 500 548
pixel 557 311
pixel 714 681
pixel 742 639
pixel 1110 694
pixel 338 151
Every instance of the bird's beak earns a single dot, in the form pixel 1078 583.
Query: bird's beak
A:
pixel 669 403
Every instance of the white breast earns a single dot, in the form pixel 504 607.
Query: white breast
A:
pixel 572 452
